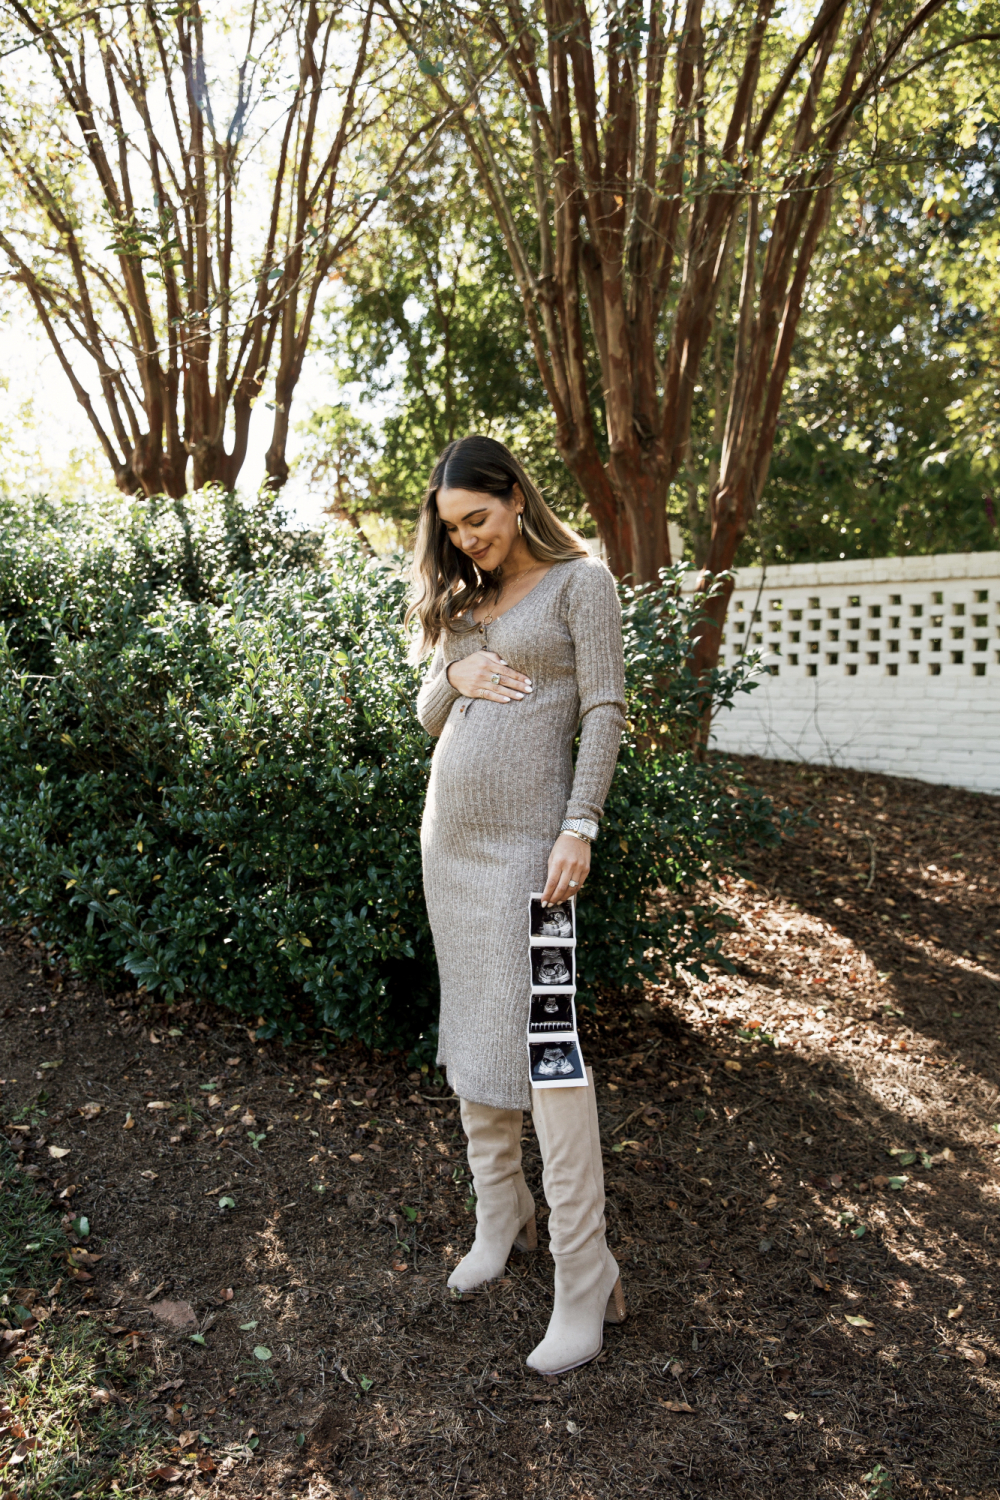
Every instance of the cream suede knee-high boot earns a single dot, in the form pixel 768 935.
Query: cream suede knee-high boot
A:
pixel 505 1210
pixel 587 1284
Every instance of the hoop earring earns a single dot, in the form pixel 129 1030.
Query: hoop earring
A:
pixel 520 525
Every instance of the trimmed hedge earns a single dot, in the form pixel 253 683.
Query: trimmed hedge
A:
pixel 211 774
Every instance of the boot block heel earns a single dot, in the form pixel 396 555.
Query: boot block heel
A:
pixel 527 1238
pixel 615 1311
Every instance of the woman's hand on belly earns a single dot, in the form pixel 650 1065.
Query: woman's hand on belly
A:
pixel 569 866
pixel 486 675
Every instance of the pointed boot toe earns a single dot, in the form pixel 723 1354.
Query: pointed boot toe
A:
pixel 588 1295
pixel 487 1260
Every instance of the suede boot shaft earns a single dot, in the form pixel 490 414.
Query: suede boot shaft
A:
pixel 505 1210
pixel 587 1282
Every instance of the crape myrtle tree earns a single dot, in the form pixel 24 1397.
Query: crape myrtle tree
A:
pixel 426 315
pixel 682 161
pixel 178 181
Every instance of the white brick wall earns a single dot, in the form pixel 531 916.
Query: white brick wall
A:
pixel 887 665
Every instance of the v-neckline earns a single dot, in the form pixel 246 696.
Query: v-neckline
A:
pixel 482 627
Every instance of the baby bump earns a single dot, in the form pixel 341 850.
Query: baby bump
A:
pixel 494 771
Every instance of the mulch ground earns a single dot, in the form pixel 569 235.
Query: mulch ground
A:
pixel 802 1195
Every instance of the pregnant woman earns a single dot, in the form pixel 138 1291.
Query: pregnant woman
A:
pixel 525 628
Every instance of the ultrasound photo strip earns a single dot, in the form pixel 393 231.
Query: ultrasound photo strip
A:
pixel 556 1065
pixel 551 924
pixel 553 968
pixel 555 1060
pixel 552 1015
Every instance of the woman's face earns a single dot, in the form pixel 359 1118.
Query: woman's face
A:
pixel 484 527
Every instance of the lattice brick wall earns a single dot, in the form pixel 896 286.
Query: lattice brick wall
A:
pixel 890 665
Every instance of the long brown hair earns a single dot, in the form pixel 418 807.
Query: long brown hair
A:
pixel 447 582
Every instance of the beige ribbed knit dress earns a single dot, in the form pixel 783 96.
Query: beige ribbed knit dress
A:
pixel 501 782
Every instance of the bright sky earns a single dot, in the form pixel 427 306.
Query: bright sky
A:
pixel 50 429
pixel 43 430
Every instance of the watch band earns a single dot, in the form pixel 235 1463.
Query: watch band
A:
pixel 584 828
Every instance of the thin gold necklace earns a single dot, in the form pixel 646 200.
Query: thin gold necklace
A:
pixel 489 619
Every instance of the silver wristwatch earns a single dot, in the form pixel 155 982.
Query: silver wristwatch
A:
pixel 584 828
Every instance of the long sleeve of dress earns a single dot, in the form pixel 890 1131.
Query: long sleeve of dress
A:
pixel 595 623
pixel 436 695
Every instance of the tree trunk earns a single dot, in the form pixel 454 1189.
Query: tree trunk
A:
pixel 181 338
pixel 624 265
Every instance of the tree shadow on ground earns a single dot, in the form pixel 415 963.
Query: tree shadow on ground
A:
pixel 799 1322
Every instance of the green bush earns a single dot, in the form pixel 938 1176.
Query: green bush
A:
pixel 213 779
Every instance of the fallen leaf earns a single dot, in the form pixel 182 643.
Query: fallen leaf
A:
pixel 836 1180
pixel 56 1063
pixel 59 1152
pixel 956 1312
pixel 166 1471
pixel 82 1257
pixel 817 1281
pixel 731 1067
pixel 214 1101
pixel 149 1175
pixel 771 1201
pixel 946 1155
pixel 355 1156
pixel 880 1181
pixel 168 1385
pixel 974 1356
pixel 179 1317
pixel 262 1352
pixel 158 1104
pixel 248 1327
pixel 99 1395
pixel 206 1464
pixel 226 1294
pixel 89 1111
pixel 856 1320
pixel 676 1405
pixel 793 1416
pixel 185 1439
pixel 896 1183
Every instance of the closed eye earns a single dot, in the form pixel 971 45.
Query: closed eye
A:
pixel 449 525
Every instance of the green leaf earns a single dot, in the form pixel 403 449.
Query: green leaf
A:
pixel 248 1327
pixel 81 1226
pixel 197 1338
pixel 898 1182
pixel 227 1202
pixel 262 1352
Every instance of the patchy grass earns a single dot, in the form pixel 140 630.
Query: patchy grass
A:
pixel 72 1420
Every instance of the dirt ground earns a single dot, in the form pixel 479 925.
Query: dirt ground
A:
pixel 802 1184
